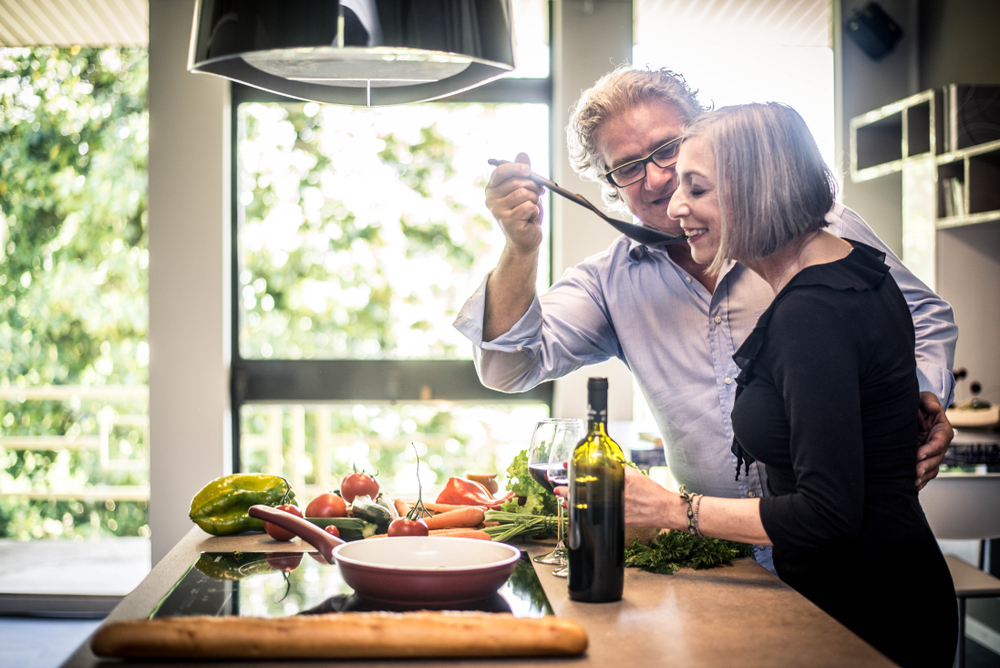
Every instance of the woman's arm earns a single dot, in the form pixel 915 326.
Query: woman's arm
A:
pixel 648 504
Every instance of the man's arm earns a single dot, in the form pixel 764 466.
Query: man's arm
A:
pixel 514 200
pixel 936 332
pixel 933 317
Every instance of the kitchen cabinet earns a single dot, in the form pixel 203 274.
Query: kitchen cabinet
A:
pixel 730 615
pixel 937 153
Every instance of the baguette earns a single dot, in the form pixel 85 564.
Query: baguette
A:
pixel 347 635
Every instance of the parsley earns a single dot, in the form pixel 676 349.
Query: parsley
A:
pixel 672 550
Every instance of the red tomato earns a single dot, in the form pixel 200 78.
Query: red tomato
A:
pixel 332 530
pixel 276 532
pixel 358 483
pixel 283 561
pixel 405 527
pixel 327 505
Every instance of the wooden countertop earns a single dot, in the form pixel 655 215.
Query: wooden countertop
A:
pixel 738 615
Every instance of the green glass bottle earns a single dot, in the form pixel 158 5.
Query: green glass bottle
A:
pixel 597 507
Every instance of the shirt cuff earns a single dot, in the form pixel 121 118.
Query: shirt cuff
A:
pixel 940 381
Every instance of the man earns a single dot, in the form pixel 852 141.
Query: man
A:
pixel 671 322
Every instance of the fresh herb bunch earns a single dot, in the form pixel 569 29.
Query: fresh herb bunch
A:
pixel 512 525
pixel 538 500
pixel 672 550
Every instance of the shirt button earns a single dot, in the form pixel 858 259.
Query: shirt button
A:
pixel 519 349
pixel 729 381
pixel 750 494
pixel 718 319
pixel 687 278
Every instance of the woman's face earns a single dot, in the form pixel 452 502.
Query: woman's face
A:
pixel 696 202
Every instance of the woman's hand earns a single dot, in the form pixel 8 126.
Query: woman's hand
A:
pixel 647 504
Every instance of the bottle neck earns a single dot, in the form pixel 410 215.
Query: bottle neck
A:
pixel 597 414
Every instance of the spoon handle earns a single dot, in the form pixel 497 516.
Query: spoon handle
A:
pixel 644 235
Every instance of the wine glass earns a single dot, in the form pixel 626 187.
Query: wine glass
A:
pixel 553 434
pixel 566 439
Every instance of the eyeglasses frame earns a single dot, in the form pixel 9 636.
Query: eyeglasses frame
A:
pixel 645 162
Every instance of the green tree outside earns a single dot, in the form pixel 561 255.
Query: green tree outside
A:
pixel 73 290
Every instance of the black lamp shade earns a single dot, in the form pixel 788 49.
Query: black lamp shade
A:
pixel 354 52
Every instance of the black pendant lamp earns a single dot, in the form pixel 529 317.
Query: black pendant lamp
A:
pixel 354 52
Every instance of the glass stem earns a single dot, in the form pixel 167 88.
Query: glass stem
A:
pixel 559 530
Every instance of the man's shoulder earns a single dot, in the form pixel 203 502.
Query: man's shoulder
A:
pixel 841 217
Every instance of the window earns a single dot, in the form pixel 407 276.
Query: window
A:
pixel 73 308
pixel 359 234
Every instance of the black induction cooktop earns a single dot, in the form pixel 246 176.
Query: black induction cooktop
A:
pixel 281 584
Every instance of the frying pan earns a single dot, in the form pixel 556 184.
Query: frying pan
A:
pixel 409 570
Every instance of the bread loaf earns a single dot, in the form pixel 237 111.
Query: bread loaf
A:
pixel 348 635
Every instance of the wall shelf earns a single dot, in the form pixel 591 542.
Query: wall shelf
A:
pixel 939 153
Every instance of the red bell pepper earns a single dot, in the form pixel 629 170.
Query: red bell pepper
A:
pixel 462 492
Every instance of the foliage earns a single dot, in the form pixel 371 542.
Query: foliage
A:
pixel 672 550
pixel 364 229
pixel 537 499
pixel 73 257
pixel 450 440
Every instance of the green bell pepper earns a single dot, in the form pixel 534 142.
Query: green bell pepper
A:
pixel 220 508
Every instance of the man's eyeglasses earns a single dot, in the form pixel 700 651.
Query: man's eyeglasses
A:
pixel 635 171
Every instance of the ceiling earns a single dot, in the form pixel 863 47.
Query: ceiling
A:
pixel 74 22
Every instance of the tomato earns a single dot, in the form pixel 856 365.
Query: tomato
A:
pixel 283 561
pixel 405 527
pixel 327 505
pixel 358 483
pixel 332 530
pixel 276 532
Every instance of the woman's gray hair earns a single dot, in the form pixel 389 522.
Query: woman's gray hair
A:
pixel 614 93
pixel 772 182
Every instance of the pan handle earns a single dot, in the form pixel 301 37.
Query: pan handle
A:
pixel 304 529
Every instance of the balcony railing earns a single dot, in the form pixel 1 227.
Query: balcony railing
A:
pixel 102 401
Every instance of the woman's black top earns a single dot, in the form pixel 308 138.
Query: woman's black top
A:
pixel 828 400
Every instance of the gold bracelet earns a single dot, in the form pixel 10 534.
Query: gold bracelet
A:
pixel 696 502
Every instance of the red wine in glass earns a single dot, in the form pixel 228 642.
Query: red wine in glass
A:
pixel 540 472
pixel 558 475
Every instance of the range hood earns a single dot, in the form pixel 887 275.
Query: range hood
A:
pixel 354 52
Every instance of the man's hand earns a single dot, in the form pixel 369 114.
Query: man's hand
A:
pixel 934 436
pixel 515 201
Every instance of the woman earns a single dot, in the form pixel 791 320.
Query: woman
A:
pixel 827 395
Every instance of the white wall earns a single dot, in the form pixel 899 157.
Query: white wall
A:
pixel 590 39
pixel 188 275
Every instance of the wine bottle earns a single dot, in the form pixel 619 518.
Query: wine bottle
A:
pixel 597 507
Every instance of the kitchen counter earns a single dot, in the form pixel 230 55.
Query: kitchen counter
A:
pixel 726 616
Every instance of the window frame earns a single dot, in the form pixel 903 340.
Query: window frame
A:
pixel 345 381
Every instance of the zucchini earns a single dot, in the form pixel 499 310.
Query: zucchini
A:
pixel 363 508
pixel 387 503
pixel 350 528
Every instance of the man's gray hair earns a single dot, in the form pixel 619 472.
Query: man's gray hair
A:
pixel 614 93
pixel 772 182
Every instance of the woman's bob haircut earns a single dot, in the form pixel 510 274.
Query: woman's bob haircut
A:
pixel 773 185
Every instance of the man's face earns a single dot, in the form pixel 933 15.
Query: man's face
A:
pixel 635 134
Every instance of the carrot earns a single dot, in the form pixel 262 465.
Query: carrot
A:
pixel 461 533
pixel 401 507
pixel 432 507
pixel 445 507
pixel 469 516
